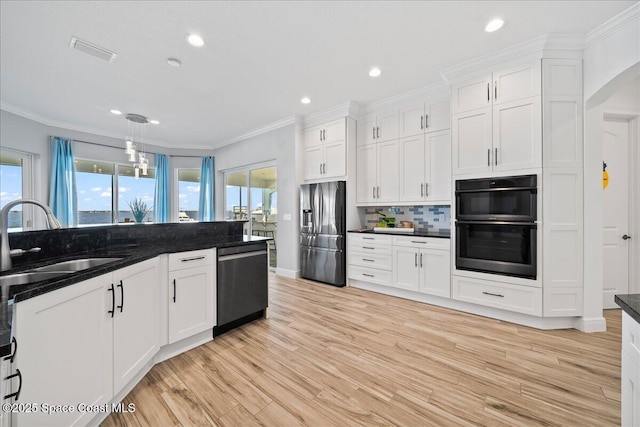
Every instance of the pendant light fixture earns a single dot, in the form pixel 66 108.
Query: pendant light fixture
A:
pixel 136 120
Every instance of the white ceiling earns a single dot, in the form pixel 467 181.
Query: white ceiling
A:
pixel 260 58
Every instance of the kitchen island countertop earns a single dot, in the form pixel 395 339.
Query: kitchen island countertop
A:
pixel 630 303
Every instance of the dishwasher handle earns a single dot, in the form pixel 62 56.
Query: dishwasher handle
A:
pixel 241 255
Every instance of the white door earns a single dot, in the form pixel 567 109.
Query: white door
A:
pixel 471 144
pixel 412 120
pixel 412 168
pixel 406 271
pixel 313 162
pixel 435 266
pixel 367 130
pixel 388 164
pixel 334 131
pixel 334 159
pixel 517 135
pixel 471 94
pixel 387 126
pixel 366 173
pixel 615 153
pixel 437 116
pixel 191 302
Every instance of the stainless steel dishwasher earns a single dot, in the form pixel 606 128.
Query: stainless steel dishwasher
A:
pixel 242 285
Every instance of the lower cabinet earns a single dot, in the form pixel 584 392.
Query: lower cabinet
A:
pixel 83 343
pixel 192 295
pixel 630 378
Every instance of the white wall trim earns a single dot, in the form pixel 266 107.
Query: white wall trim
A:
pixel 292 274
pixel 613 25
pixel 346 109
pixel 593 324
pixel 258 131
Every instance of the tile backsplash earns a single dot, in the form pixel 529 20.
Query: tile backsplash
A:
pixel 423 217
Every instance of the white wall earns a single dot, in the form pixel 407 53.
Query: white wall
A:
pixel 611 61
pixel 278 146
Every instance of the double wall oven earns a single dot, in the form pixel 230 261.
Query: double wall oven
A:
pixel 496 229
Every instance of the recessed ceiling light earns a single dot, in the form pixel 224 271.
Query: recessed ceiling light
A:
pixel 305 100
pixel 375 72
pixel 174 62
pixel 494 25
pixel 195 40
pixel 116 112
pixel 154 122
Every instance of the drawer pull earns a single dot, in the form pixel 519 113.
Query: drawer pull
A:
pixel 368 260
pixel 415 241
pixel 368 275
pixel 192 259
pixel 368 238
pixel 17 393
pixel 367 247
pixel 493 295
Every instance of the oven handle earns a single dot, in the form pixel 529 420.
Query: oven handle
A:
pixel 483 190
pixel 524 224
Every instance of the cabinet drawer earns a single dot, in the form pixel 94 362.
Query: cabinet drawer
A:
pixel 370 238
pixel 422 242
pixel 631 338
pixel 521 299
pixel 372 260
pixel 191 259
pixel 372 275
pixel 369 248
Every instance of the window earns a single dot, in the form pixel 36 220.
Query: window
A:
pixel 97 201
pixel 188 194
pixel 15 183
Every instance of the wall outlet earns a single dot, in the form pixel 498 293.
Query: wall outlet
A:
pixel 286 217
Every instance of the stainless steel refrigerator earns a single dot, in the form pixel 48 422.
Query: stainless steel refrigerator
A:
pixel 323 232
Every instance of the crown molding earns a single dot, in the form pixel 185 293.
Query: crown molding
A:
pixel 258 131
pixel 613 25
pixel 346 109
pixel 433 91
pixel 536 47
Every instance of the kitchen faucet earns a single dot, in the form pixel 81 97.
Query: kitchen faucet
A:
pixel 5 251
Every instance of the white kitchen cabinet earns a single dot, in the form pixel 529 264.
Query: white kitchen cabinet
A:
pixel 325 150
pixel 422 265
pixel 65 350
pixel 377 172
pixel 5 389
pixel 505 296
pixel 378 127
pixel 517 135
pixel 630 378
pixel 425 168
pixel 423 117
pixel 471 141
pixel 192 293
pixel 370 258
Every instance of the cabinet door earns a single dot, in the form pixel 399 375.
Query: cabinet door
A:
pixel 437 116
pixel 517 135
pixel 435 272
pixel 335 163
pixel 471 94
pixel 517 83
pixel 387 123
pixel 406 270
pixel 387 176
pixel 191 302
pixel 438 162
pixel 136 333
pixel 313 160
pixel 412 120
pixel 366 173
pixel 412 168
pixel 313 136
pixel 65 351
pixel 630 403
pixel 334 131
pixel 367 130
pixel 471 141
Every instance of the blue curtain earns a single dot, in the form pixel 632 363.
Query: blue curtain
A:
pixel 63 198
pixel 205 208
pixel 161 195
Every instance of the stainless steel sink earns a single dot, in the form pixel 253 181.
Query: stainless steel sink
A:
pixel 29 277
pixel 75 265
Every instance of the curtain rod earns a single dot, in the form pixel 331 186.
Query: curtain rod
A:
pixel 148 152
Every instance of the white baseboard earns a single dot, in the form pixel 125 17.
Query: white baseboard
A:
pixel 292 274
pixel 593 324
pixel 176 348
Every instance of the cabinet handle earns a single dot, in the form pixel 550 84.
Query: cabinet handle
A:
pixel 368 275
pixel 174 290
pixel 192 259
pixel 420 260
pixel 113 300
pixel 368 238
pixel 488 156
pixel 426 121
pixel 368 260
pixel 324 134
pixel 415 258
pixel 416 241
pixel 421 122
pixel 495 159
pixel 324 168
pixel 495 90
pixel 368 247
pixel 378 192
pixel 374 191
pixel 488 93
pixel 426 189
pixel 17 393
pixel 14 343
pixel 493 295
pixel 377 132
pixel 320 134
pixel 421 190
pixel 373 129
pixel 121 306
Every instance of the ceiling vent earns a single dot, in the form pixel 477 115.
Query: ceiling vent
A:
pixel 92 49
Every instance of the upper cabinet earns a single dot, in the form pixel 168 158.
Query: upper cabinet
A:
pixel 325 150
pixel 377 172
pixel 423 117
pixel 378 127
pixel 497 121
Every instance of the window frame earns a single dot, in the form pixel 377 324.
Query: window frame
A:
pixel 28 187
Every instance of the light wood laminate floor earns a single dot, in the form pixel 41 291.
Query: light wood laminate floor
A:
pixel 339 357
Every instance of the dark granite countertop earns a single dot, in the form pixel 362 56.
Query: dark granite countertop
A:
pixel 630 303
pixel 442 234
pixel 129 253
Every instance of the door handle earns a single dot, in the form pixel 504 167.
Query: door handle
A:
pixel 495 90
pixel 420 260
pixel 320 134
pixel 421 122
pixel 373 130
pixel 626 237
pixel 421 190
pixel 121 306
pixel 324 168
pixel 378 195
pixel 426 121
pixel 378 132
pixel 113 300
pixel 374 192
pixel 426 189
pixel 320 168
pixel 415 258
pixel 174 290
pixel 17 393
pixel 495 160
pixel 488 156
pixel 15 349
pixel 488 92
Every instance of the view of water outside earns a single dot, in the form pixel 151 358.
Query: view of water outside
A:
pixel 11 188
